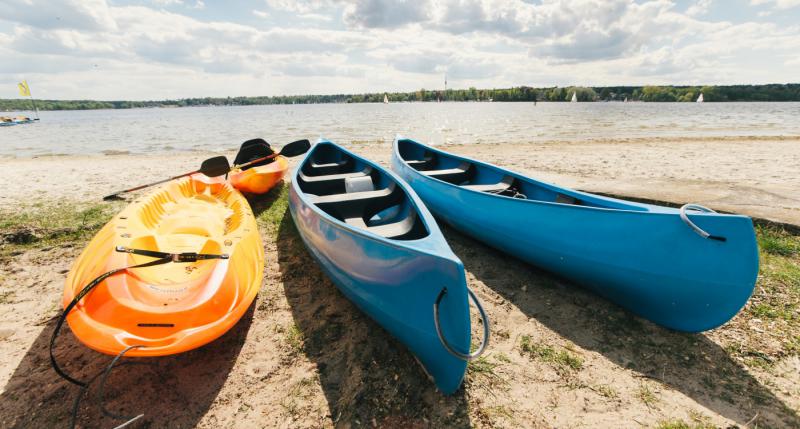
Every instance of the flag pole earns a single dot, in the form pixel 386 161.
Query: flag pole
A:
pixel 36 109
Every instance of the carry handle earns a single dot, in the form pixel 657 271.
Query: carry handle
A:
pixel 463 356
pixel 700 231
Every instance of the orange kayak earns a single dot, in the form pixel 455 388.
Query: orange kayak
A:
pixel 259 180
pixel 176 306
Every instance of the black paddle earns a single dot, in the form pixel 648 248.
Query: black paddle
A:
pixel 218 166
pixel 212 167
pixel 290 150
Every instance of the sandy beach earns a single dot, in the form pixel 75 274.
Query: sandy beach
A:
pixel 753 176
pixel 304 356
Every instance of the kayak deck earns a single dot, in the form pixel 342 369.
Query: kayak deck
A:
pixel 173 307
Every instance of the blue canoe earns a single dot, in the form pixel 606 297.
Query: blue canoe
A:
pixel 379 244
pixel 690 269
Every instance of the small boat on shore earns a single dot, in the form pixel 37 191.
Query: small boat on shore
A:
pixel 261 177
pixel 688 269
pixel 378 243
pixel 205 236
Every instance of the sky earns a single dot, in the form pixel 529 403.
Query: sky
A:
pixel 157 49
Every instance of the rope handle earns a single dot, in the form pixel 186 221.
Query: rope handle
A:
pixel 463 356
pixel 700 231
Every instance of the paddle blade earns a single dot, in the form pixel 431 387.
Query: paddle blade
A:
pixel 216 166
pixel 296 148
pixel 251 150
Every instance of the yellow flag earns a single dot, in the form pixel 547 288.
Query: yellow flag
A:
pixel 24 90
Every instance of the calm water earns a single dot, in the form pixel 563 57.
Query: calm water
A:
pixel 224 128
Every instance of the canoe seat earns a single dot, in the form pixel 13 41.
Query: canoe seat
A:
pixel 493 188
pixel 326 200
pixel 425 163
pixel 339 176
pixel 457 175
pixel 395 230
pixel 354 207
pixel 328 168
pixel 331 184
pixel 566 199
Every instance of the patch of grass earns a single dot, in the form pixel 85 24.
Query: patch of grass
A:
pixel 605 391
pixel 647 396
pixel 751 357
pixel 494 415
pixel 785 311
pixel 776 241
pixel 562 360
pixel 295 339
pixel 481 373
pixel 481 365
pixel 52 223
pixel 775 303
pixel 271 208
pixel 500 357
pixel 298 396
pixel 680 424
pixel 785 271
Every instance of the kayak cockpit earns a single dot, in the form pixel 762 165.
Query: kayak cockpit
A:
pixel 359 195
pixel 484 178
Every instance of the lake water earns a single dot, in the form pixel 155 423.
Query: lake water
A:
pixel 224 128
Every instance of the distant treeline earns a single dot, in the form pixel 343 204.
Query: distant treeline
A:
pixel 772 92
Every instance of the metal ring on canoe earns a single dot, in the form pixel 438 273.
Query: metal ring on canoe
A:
pixel 700 231
pixel 447 346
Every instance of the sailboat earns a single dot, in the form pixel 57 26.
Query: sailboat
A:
pixel 574 97
pixel 626 100
pixel 700 98
pixel 25 91
pixel 385 99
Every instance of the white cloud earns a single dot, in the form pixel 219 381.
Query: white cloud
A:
pixel 297 6
pixel 97 50
pixel 167 2
pixel 85 15
pixel 777 4
pixel 700 7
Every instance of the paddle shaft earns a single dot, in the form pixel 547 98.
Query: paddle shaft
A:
pixel 256 161
pixel 246 164
pixel 218 165
pixel 149 185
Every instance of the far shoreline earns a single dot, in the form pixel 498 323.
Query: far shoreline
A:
pixel 774 92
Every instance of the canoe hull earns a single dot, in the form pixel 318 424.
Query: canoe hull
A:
pixel 650 263
pixel 394 283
